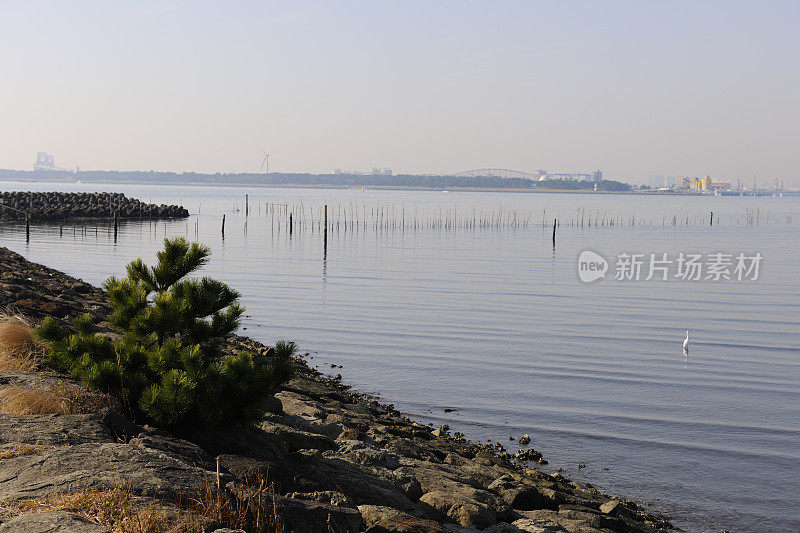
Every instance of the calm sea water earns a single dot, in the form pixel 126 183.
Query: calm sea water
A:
pixel 495 323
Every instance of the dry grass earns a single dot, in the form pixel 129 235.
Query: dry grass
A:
pixel 253 510
pixel 19 349
pixel 17 400
pixel 121 511
pixel 58 398
pixel 19 451
pixel 117 509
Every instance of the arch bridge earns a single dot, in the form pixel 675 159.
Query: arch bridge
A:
pixel 499 173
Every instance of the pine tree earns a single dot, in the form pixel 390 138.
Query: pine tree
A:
pixel 168 368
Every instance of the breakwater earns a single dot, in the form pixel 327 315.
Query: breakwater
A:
pixel 19 205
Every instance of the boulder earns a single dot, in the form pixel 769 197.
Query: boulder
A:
pixel 538 525
pixel 178 449
pixel 296 404
pixel 97 466
pixel 119 426
pixel 368 454
pixel 589 516
pixel 245 440
pixel 619 509
pixel 521 496
pixel 331 497
pixel 407 524
pixel 502 527
pixel 362 484
pixel 372 514
pixel 302 516
pixel 54 430
pixel 295 439
pixel 327 428
pixel 464 505
pixel 351 434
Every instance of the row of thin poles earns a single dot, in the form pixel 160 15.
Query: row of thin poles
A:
pixel 392 217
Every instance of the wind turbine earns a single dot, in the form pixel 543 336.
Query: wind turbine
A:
pixel 265 161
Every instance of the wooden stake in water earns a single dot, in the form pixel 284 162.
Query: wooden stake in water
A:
pixel 223 226
pixel 27 228
pixel 246 205
pixel 712 218
pixel 554 232
pixel 115 226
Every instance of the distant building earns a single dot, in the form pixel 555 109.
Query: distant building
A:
pixel 595 176
pixel 44 161
pixel 697 184
pixel 374 171
pixel 659 180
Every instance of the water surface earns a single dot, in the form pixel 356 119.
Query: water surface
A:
pixel 490 319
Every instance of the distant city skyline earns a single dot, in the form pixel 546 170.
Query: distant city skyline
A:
pixel 634 89
pixel 46 162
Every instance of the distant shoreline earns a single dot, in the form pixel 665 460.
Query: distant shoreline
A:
pixel 325 186
pixel 395 187
pixel 332 181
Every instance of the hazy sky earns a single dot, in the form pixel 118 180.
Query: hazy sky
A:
pixel 633 88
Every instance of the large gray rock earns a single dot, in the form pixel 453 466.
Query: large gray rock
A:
pixel 434 476
pixel 549 521
pixel 368 454
pixel 96 466
pixel 178 449
pixel 410 524
pixel 53 430
pixel 538 525
pixel 458 493
pixel 465 506
pixel 372 514
pixel 245 440
pixel 364 485
pixel 43 379
pixel 295 439
pixel 589 517
pixel 296 404
pixel 331 497
pixel 320 426
pixel 502 527
pixel 522 496
pixel 302 516
pixel 312 388
pixel 52 522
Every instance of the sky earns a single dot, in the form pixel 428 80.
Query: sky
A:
pixel 632 88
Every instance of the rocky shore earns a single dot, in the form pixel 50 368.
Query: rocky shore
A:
pixel 339 460
pixel 17 205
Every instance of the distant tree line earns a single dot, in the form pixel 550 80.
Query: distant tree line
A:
pixel 351 180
